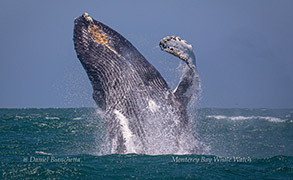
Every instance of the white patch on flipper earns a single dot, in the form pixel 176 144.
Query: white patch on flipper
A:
pixel 153 106
pixel 126 132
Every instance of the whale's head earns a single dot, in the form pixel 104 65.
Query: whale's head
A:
pixel 105 55
pixel 91 35
pixel 97 48
pixel 93 38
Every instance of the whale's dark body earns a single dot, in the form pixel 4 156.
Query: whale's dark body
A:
pixel 128 89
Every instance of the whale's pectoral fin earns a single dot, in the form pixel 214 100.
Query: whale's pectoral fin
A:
pixel 179 48
pixel 189 84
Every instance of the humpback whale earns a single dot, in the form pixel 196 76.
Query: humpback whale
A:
pixel 143 115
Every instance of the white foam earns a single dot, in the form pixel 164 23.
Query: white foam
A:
pixel 237 118
pixel 52 118
pixel 126 132
pixel 272 119
pixel 153 107
pixel 43 153
pixel 77 118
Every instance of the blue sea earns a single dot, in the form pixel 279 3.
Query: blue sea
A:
pixel 66 144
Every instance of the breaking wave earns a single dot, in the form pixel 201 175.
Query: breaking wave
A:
pixel 239 118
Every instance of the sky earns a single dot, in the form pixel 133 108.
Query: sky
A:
pixel 243 49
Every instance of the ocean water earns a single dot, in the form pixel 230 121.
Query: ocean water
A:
pixel 67 144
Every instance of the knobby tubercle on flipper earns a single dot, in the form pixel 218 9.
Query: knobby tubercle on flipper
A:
pixel 177 47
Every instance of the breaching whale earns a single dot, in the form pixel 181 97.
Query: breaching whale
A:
pixel 142 113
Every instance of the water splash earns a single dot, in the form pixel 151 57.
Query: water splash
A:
pixel 163 133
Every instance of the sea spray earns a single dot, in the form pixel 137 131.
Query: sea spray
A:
pixel 162 130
